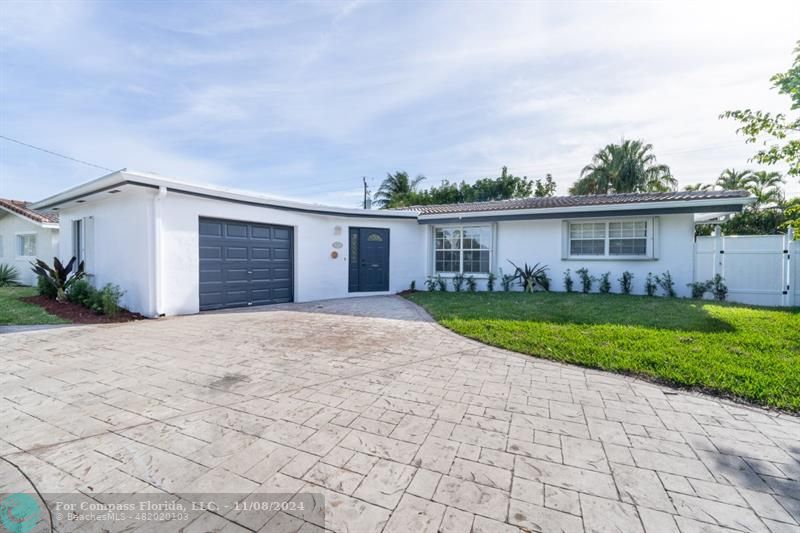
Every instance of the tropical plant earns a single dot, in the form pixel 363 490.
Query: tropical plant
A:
pixel 605 283
pixel 441 283
pixel 586 279
pixel 531 277
pixel 699 288
pixel 667 284
pixel 650 284
pixel 718 288
pixel 472 284
pixel 780 134
pixel 430 284
pixel 413 285
pixel 627 167
pixel 490 281
pixel 395 190
pixel 698 187
pixel 59 276
pixel 734 180
pixel 626 282
pixel 766 187
pixel 9 276
pixel 458 282
pixel 568 283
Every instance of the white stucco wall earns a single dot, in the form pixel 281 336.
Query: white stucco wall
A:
pixel 541 241
pixel 317 276
pixel 119 247
pixel 46 244
pixel 124 248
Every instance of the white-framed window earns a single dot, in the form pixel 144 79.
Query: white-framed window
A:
pixel 26 245
pixel 462 249
pixel 610 238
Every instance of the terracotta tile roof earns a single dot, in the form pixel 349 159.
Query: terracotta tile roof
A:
pixel 21 208
pixel 576 201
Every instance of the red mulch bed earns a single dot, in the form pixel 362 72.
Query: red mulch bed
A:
pixel 78 314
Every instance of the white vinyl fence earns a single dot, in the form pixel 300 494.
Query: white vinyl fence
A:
pixel 758 269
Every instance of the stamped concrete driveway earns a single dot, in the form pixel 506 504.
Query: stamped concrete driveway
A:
pixel 401 425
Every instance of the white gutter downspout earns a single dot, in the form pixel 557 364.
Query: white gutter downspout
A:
pixel 158 202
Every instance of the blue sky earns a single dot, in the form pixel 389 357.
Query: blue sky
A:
pixel 302 99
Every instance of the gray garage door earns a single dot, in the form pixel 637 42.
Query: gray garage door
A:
pixel 244 264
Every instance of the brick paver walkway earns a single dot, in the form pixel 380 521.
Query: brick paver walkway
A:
pixel 403 426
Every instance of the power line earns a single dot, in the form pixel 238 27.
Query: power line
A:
pixel 55 153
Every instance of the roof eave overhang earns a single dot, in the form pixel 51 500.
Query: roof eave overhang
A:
pixel 716 205
pixel 123 178
pixel 40 223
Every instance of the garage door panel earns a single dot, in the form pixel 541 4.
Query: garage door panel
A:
pixel 210 252
pixel 282 254
pixel 260 254
pixel 235 230
pixel 235 252
pixel 282 234
pixel 244 264
pixel 211 229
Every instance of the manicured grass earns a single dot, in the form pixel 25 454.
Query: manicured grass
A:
pixel 15 312
pixel 733 350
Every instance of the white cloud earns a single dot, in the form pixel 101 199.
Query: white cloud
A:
pixel 306 99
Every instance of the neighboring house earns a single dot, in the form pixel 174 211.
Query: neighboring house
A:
pixel 179 248
pixel 26 234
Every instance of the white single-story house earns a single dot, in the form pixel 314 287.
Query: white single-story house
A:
pixel 179 248
pixel 25 235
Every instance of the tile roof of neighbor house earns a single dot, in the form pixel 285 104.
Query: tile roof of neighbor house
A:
pixel 575 201
pixel 21 208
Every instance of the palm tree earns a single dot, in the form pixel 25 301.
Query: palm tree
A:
pixel 698 187
pixel 734 180
pixel 627 167
pixel 766 187
pixel 395 190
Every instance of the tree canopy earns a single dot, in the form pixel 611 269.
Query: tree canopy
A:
pixel 397 190
pixel 778 134
pixel 627 167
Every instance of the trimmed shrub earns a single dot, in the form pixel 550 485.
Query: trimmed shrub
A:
pixel 667 284
pixel 490 282
pixel 605 283
pixel 472 285
pixel 568 283
pixel 45 288
pixel 651 284
pixel 586 279
pixel 626 282
pixel 718 288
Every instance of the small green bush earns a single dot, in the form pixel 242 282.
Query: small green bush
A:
pixel 81 292
pixel 472 284
pixel 109 297
pixel 718 288
pixel 458 282
pixel 490 281
pixel 667 284
pixel 430 284
pixel 626 282
pixel 45 288
pixel 9 276
pixel 605 283
pixel 568 283
pixel 506 282
pixel 699 288
pixel 441 283
pixel 413 285
pixel 586 279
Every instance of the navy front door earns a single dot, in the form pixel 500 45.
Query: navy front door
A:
pixel 369 260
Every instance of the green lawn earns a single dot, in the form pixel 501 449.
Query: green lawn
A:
pixel 734 350
pixel 17 313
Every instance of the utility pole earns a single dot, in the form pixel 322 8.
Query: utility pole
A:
pixel 364 178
